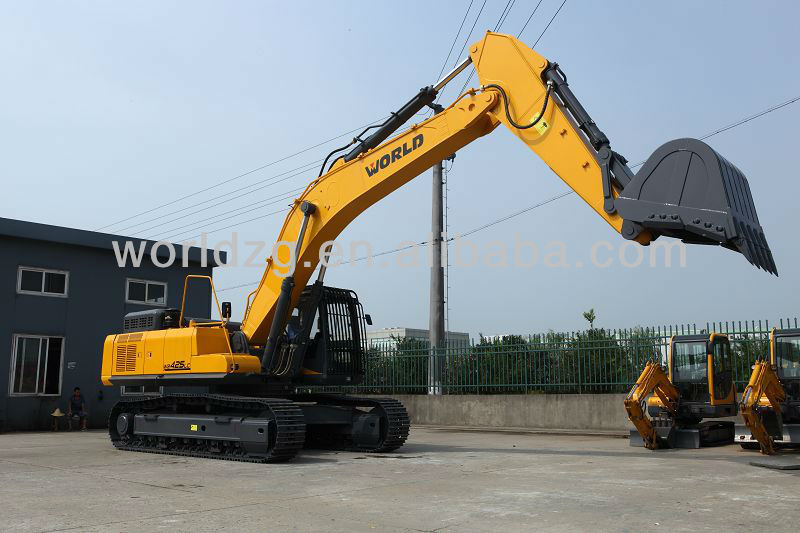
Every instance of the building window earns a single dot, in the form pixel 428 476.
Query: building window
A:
pixel 36 365
pixel 146 292
pixel 141 390
pixel 42 281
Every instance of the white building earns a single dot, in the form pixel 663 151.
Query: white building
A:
pixel 386 338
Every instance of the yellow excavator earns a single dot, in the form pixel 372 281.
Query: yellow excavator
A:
pixel 770 403
pixel 668 407
pixel 297 333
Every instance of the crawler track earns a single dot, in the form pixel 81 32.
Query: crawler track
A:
pixel 395 423
pixel 288 426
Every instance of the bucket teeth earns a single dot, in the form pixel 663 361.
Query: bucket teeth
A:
pixel 688 191
pixel 753 245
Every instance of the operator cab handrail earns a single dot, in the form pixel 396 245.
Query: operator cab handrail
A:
pixel 211 323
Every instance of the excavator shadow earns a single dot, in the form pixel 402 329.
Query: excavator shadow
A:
pixel 787 459
pixel 672 453
pixel 312 457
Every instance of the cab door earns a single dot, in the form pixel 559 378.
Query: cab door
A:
pixel 720 383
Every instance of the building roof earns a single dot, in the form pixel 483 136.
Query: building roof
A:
pixel 77 237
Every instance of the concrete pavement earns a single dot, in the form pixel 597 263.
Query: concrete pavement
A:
pixel 443 480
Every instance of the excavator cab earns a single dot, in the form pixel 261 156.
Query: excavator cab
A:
pixel 700 368
pixel 698 384
pixel 786 357
pixel 325 339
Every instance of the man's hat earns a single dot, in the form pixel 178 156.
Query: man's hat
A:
pixel 57 412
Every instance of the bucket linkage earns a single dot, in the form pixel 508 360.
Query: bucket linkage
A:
pixel 684 190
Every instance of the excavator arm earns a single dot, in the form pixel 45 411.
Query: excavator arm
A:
pixel 684 190
pixel 653 380
pixel 763 384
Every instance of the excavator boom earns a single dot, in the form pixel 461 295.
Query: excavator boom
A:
pixel 684 190
pixel 653 380
pixel 764 383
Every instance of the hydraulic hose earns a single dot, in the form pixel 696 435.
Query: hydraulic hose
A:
pixel 508 112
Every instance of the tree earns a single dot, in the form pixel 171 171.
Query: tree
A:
pixel 590 317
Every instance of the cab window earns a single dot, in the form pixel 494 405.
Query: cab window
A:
pixel 722 357
pixel 787 356
pixel 689 361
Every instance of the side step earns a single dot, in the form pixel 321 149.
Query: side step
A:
pixel 700 435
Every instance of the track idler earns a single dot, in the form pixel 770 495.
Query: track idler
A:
pixel 689 191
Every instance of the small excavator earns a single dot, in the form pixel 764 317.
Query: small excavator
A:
pixel 243 379
pixel 668 407
pixel 770 403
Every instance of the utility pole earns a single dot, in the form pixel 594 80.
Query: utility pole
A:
pixel 436 325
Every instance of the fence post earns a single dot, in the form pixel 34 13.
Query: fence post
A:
pixel 580 365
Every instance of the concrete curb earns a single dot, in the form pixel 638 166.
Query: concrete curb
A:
pixel 562 414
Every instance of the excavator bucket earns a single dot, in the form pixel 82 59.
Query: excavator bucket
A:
pixel 689 191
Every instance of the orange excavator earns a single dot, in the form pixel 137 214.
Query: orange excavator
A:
pixel 770 403
pixel 668 407
pixel 298 332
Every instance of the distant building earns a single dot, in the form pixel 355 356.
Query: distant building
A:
pixel 386 338
pixel 499 338
pixel 61 293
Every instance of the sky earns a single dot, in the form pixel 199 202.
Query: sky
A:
pixel 111 109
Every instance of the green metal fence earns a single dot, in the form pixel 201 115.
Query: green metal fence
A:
pixel 592 361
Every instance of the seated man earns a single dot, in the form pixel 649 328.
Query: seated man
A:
pixel 77 408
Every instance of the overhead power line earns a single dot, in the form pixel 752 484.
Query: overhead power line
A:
pixel 548 24
pixel 242 175
pixel 428 112
pixel 267 182
pixel 284 210
pixel 469 35
pixel 552 198
pixel 751 117
pixel 506 10
pixel 466 42
pixel 514 214
pixel 230 214
pixel 460 27
pixel 428 243
pixel 739 122
pixel 240 286
pixel 463 87
pixel 498 24
pixel 501 20
pixel 504 14
pixel 529 18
